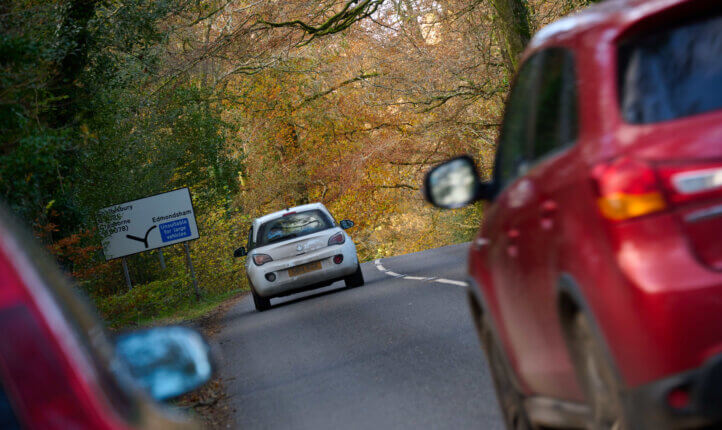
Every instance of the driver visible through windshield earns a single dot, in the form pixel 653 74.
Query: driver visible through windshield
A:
pixel 293 225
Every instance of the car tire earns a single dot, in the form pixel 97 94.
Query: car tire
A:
pixel 261 303
pixel 510 400
pixel 597 377
pixel 356 279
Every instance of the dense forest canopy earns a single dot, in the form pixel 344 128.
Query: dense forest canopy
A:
pixel 255 105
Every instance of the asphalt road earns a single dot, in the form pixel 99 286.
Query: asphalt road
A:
pixel 399 352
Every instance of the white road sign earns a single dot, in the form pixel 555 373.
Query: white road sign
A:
pixel 147 223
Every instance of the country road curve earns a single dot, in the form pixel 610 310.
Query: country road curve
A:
pixel 398 353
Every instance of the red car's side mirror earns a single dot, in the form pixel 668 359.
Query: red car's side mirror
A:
pixel 455 183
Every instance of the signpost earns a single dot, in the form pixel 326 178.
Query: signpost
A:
pixel 148 223
pixel 161 258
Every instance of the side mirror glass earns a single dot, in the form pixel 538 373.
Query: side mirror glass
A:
pixel 240 252
pixel 346 224
pixel 453 184
pixel 166 361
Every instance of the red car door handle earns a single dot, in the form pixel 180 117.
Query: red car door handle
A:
pixel 512 250
pixel 548 209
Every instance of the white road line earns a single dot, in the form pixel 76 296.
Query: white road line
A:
pixel 452 282
pixel 382 269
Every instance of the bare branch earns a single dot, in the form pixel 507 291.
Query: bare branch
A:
pixel 361 77
pixel 352 12
pixel 403 186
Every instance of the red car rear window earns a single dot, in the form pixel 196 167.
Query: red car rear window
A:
pixel 671 73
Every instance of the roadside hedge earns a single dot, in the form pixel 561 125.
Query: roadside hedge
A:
pixel 147 301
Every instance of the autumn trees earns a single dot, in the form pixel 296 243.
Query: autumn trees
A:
pixel 255 105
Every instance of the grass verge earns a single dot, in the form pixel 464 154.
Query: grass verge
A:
pixel 192 311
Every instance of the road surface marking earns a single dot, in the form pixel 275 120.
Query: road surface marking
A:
pixel 452 282
pixel 379 265
pixel 386 271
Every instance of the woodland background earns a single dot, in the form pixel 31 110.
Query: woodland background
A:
pixel 256 105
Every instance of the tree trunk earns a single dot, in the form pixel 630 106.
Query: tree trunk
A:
pixel 301 186
pixel 73 32
pixel 514 29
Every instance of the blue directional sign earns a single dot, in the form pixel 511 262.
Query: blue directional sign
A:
pixel 174 230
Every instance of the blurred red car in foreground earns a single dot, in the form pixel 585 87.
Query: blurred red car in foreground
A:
pixel 597 273
pixel 59 371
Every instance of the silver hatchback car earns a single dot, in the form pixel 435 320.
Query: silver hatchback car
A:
pixel 298 249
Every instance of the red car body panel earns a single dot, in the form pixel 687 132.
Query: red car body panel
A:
pixel 46 377
pixel 652 284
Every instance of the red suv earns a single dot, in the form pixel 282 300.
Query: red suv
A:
pixel 596 277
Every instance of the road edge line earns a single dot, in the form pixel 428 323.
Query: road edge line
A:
pixel 380 267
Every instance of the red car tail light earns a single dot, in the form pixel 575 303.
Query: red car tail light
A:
pixel 692 182
pixel 337 239
pixel 628 189
pixel 261 259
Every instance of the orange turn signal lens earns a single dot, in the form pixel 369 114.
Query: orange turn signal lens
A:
pixel 620 206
